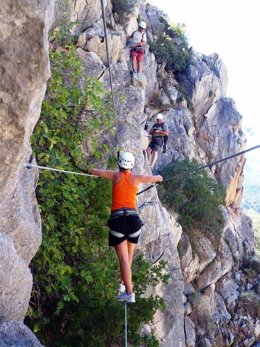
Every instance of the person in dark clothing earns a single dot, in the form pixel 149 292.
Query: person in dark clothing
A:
pixel 159 133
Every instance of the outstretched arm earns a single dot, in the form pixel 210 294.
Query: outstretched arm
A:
pixel 109 174
pixel 148 179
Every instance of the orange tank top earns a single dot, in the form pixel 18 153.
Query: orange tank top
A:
pixel 124 192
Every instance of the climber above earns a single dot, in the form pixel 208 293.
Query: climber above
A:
pixel 159 133
pixel 137 42
pixel 124 221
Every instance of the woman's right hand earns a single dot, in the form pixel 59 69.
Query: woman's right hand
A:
pixel 160 178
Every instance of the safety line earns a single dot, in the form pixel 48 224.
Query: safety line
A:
pixel 107 51
pixel 199 168
pixel 125 324
pixel 109 68
pixel 29 166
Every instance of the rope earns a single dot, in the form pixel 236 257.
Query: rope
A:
pixel 199 168
pixel 29 166
pixel 125 324
pixel 107 51
pixel 109 68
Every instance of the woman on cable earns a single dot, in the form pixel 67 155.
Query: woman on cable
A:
pixel 124 222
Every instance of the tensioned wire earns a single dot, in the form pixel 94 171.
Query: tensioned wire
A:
pixel 29 166
pixel 109 68
pixel 199 168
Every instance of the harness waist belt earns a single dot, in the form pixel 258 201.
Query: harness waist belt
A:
pixel 123 212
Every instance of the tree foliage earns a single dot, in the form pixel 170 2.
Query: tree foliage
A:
pixel 195 196
pixel 75 273
pixel 171 47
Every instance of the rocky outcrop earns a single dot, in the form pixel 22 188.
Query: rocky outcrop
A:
pixel 24 72
pixel 15 333
pixel 15 282
pixel 204 81
pixel 209 294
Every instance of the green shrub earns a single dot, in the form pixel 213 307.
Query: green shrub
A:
pixel 171 47
pixel 196 197
pixel 75 273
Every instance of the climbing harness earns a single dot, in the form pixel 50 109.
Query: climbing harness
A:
pixel 199 168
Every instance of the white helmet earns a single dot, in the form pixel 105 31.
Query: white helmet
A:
pixel 126 160
pixel 142 24
pixel 159 116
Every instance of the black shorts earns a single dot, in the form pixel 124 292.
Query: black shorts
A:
pixel 156 144
pixel 124 227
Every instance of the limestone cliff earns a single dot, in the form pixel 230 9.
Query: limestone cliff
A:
pixel 24 73
pixel 206 280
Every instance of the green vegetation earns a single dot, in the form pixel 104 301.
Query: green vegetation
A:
pixel 75 273
pixel 196 197
pixel 171 47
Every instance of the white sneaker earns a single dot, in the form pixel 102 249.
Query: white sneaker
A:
pixel 129 298
pixel 120 289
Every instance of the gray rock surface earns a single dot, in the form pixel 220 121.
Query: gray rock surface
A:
pixel 15 282
pixel 20 217
pixel 190 335
pixel 24 73
pixel 204 82
pixel 92 65
pixel 16 334
pixel 203 125
pixel 221 136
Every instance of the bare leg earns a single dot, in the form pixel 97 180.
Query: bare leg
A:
pixel 154 158
pixel 131 247
pixel 140 66
pixel 134 63
pixel 125 267
pixel 149 153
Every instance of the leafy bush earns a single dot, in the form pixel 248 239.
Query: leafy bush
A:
pixel 196 197
pixel 171 47
pixel 75 273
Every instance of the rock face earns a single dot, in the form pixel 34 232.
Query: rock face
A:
pixel 24 72
pixel 204 298
pixel 15 282
pixel 15 333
